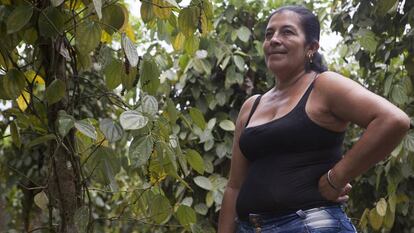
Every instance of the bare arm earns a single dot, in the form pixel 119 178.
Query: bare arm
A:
pixel 385 126
pixel 238 170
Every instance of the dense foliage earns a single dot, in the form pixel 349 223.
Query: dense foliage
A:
pixel 123 124
pixel 379 35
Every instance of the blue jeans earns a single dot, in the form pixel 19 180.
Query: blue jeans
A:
pixel 330 219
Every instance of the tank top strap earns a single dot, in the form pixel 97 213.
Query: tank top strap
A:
pixel 304 99
pixel 256 102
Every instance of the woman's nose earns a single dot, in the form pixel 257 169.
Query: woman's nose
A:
pixel 275 40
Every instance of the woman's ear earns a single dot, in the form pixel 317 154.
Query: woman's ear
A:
pixel 313 47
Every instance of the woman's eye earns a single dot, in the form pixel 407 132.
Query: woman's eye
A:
pixel 268 34
pixel 287 32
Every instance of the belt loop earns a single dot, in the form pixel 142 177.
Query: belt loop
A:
pixel 301 214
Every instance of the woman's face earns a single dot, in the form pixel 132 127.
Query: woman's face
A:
pixel 284 44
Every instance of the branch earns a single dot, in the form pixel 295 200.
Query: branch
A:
pixel 41 228
pixel 23 175
pixel 93 151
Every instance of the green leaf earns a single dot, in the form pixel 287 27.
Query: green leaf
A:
pixel 55 91
pixel 185 215
pixel 14 83
pixel 88 36
pixel 398 95
pixel 172 3
pixel 128 80
pixel 56 3
pixel 14 131
pixel 409 63
pixel 206 24
pixel 81 219
pixel 191 44
pixel 385 5
pixel 40 140
pixel 407 84
pixel 86 128
pixel 172 111
pixel 146 12
pixel 109 172
pixel 227 125
pixel 208 9
pixel 375 219
pixel 364 219
pixel 209 199
pixel 188 20
pixel 368 40
pixel 3 94
pixel 201 208
pixel 149 74
pixel 239 61
pixel 381 207
pixel 130 50
pixel 113 72
pixel 392 201
pixel 198 118
pixel 218 182
pixel 105 163
pixel 388 84
pixel 133 120
pixel 195 160
pixel 18 18
pixel 203 182
pixel 243 33
pixel 113 18
pixel 161 8
pixel 211 123
pixel 112 130
pixel 98 7
pixel 389 219
pixel 233 77
pixel 149 105
pixel 41 200
pixel 140 150
pixel 178 42
pixel 160 209
pixel 65 123
pixel 409 142
pixel 225 62
pixel 51 22
pixel 208 145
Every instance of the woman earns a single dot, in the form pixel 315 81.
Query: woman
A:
pixel 288 173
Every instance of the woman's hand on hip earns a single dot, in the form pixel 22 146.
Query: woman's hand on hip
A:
pixel 332 192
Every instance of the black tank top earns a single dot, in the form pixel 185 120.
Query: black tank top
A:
pixel 288 155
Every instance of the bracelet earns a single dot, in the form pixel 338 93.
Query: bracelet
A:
pixel 328 177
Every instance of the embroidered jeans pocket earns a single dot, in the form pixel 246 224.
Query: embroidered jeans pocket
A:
pixel 345 222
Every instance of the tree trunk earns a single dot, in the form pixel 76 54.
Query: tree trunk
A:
pixel 64 183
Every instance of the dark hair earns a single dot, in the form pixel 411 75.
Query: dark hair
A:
pixel 311 27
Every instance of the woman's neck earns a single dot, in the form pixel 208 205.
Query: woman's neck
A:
pixel 284 81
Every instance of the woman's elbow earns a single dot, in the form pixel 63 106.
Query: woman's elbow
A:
pixel 400 122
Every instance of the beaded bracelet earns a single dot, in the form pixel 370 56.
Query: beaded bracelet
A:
pixel 328 177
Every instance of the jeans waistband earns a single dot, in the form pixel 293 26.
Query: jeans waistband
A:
pixel 256 219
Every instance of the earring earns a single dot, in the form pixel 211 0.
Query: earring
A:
pixel 310 56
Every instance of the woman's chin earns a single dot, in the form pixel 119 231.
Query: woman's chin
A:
pixel 276 66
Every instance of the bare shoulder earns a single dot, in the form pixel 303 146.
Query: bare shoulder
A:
pixel 350 101
pixel 331 82
pixel 335 88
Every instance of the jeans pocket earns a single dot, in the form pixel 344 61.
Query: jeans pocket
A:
pixel 340 215
pixel 348 226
